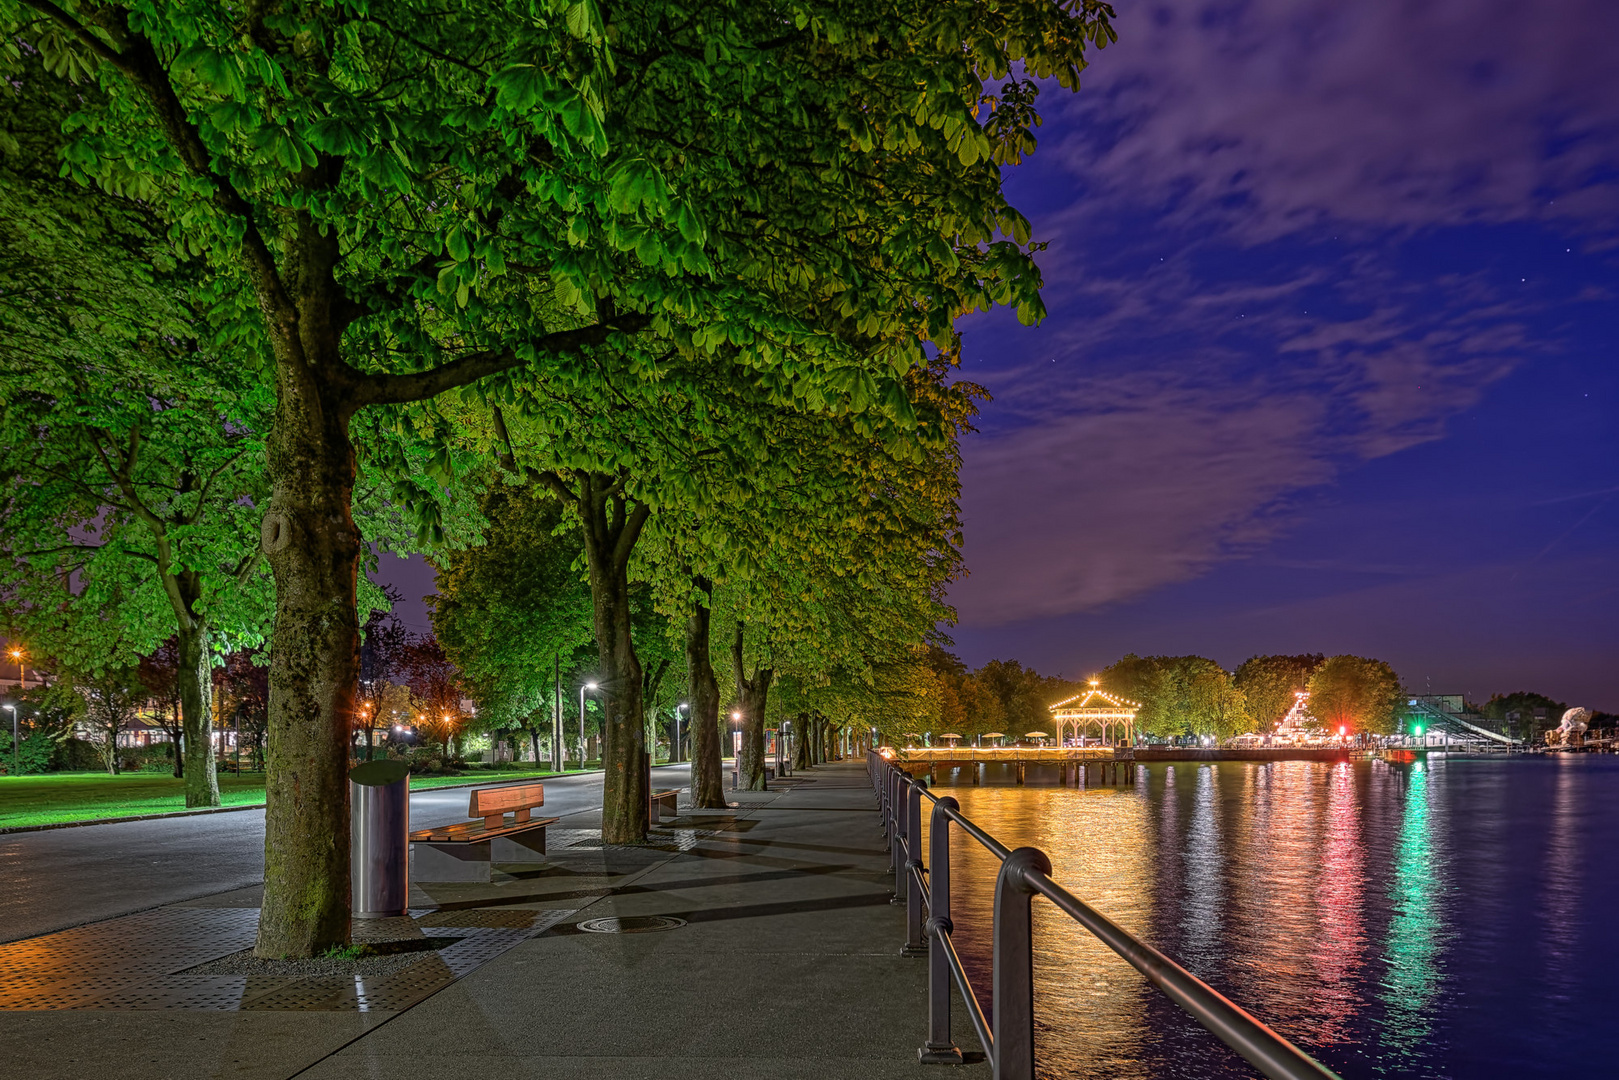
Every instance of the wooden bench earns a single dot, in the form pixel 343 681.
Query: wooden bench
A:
pixel 465 850
pixel 661 806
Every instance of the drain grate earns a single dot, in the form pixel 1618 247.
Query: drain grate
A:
pixel 635 924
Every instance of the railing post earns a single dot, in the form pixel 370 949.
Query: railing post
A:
pixel 901 831
pixel 914 945
pixel 882 798
pixel 940 1049
pixel 1013 978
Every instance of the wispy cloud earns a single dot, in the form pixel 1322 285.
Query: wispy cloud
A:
pixel 1199 415
pixel 1234 317
pixel 1277 115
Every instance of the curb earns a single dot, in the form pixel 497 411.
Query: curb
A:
pixel 131 817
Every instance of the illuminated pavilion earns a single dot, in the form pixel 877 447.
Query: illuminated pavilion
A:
pixel 1112 717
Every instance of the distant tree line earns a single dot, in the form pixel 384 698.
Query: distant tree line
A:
pixel 1178 696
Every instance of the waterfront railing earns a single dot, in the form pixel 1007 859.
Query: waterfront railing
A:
pixel 923 886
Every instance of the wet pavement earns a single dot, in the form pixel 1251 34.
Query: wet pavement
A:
pixel 57 878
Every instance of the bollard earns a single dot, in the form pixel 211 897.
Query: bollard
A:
pixel 940 1049
pixel 379 845
pixel 914 945
pixel 1013 977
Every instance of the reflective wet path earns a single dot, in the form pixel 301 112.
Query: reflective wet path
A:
pixel 1454 918
pixel 56 878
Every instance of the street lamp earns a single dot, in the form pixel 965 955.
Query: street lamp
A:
pixel 15 768
pixel 674 750
pixel 582 689
pixel 736 750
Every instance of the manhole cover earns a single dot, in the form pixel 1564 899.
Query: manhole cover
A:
pixel 636 924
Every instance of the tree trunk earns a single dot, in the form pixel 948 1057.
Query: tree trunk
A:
pixel 751 695
pixel 314 549
pixel 194 675
pixel 801 724
pixel 610 533
pixel 703 731
pixel 624 792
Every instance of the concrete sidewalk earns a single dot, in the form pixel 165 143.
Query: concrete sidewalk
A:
pixel 787 965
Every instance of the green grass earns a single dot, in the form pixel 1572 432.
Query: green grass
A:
pixel 57 797
pixel 480 776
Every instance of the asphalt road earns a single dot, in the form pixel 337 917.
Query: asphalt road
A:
pixel 56 878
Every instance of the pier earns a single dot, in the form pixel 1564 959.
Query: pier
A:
pixel 1072 766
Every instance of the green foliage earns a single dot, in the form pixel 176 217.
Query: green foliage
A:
pixel 130 461
pixel 1179 696
pixel 1356 693
pixel 396 199
pixel 814 194
pixel 1269 683
pixel 508 608
pixel 35 753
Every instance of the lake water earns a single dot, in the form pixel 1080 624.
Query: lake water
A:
pixel 1454 918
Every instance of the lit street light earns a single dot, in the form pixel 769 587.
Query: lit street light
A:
pixel 15 769
pixel 582 689
pixel 674 748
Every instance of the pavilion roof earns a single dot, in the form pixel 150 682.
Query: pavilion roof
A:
pixel 1095 699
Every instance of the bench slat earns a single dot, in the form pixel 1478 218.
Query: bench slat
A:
pixel 470 832
pixel 487 801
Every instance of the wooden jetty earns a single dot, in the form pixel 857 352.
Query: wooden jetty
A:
pixel 1076 766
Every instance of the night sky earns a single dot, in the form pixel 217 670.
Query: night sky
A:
pixel 1330 359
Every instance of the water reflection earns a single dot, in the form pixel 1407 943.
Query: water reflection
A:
pixel 1560 905
pixel 1331 899
pixel 1202 922
pixel 1340 937
pixel 1415 934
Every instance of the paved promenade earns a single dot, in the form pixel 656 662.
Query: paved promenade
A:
pixel 56 878
pixel 787 965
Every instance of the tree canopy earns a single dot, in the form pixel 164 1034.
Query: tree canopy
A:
pixel 393 200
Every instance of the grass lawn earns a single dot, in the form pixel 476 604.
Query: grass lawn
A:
pixel 45 800
pixel 58 797
pixel 427 783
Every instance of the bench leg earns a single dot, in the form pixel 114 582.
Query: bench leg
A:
pixel 524 847
pixel 450 862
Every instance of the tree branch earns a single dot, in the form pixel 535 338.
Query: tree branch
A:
pixel 139 62
pixel 382 388
pixel 630 533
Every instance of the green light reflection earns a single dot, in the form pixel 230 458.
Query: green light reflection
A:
pixel 1416 936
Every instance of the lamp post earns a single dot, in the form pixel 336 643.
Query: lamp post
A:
pixel 674 750
pixel 582 689
pixel 15 769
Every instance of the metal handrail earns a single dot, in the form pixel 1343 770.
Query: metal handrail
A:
pixel 1008 1036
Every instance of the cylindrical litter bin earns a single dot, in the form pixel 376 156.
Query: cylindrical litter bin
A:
pixel 379 848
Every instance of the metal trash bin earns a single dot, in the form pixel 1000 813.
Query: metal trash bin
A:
pixel 379 848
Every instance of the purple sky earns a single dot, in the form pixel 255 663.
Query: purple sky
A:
pixel 1330 360
pixel 1329 365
